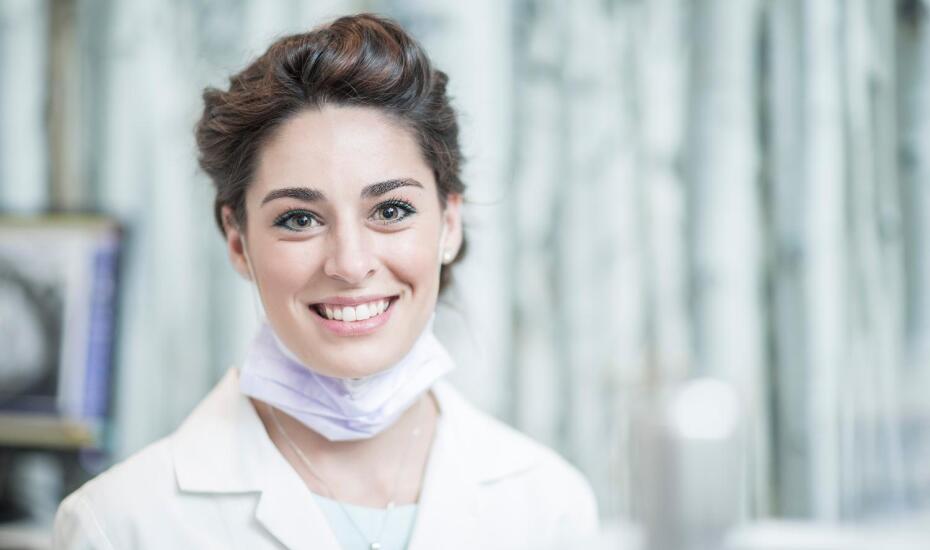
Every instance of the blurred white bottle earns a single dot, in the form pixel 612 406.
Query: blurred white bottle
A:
pixel 689 467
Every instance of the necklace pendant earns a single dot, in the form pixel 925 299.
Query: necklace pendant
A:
pixel 374 546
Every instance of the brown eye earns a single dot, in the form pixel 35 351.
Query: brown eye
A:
pixel 297 221
pixel 393 212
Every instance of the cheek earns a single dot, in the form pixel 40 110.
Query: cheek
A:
pixel 413 258
pixel 286 267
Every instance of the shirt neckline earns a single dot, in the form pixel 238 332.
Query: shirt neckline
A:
pixel 369 509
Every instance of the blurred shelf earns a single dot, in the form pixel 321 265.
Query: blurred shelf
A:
pixel 24 536
pixel 90 221
pixel 54 432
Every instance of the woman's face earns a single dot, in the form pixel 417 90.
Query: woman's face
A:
pixel 345 239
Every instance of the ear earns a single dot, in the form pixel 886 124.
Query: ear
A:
pixel 452 225
pixel 234 243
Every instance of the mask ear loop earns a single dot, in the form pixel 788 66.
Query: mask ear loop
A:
pixel 442 247
pixel 258 305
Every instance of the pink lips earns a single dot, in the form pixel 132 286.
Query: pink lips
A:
pixel 354 328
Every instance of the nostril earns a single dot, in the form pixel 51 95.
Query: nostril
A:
pixel 351 267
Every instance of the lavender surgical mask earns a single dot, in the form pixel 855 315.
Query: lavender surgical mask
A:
pixel 341 409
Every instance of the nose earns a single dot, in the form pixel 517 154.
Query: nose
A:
pixel 350 257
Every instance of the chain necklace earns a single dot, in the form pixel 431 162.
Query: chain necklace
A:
pixel 372 544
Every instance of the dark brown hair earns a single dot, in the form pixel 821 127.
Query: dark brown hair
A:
pixel 360 60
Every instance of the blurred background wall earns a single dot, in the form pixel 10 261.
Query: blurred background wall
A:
pixel 658 189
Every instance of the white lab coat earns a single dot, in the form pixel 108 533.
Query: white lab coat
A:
pixel 219 482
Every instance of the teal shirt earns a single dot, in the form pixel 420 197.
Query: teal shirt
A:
pixel 397 525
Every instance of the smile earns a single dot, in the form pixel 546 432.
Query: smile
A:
pixel 353 313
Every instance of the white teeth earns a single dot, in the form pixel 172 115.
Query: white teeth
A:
pixel 357 313
pixel 348 314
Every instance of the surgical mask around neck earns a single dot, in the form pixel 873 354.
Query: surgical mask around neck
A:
pixel 341 409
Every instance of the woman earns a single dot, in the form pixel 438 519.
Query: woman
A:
pixel 336 161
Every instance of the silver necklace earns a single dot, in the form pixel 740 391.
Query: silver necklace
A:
pixel 372 544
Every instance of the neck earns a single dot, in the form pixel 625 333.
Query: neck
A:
pixel 368 472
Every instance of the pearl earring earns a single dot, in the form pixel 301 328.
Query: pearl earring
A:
pixel 447 257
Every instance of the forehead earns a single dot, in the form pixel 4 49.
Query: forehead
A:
pixel 339 150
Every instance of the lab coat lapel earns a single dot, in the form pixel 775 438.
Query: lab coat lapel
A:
pixel 289 513
pixel 447 516
pixel 287 508
pixel 470 451
pixel 222 448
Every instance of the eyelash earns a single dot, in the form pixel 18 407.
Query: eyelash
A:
pixel 283 219
pixel 407 209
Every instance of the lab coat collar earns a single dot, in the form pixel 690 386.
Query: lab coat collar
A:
pixel 220 447
pixel 289 512
pixel 223 447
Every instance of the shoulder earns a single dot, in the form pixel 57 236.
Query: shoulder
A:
pixel 130 504
pixel 514 466
pixel 104 511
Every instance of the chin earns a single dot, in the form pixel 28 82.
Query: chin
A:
pixel 347 363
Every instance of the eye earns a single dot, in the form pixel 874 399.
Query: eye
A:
pixel 393 211
pixel 297 220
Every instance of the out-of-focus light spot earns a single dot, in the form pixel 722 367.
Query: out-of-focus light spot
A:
pixel 705 409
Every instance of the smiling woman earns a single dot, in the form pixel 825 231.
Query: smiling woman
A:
pixel 335 160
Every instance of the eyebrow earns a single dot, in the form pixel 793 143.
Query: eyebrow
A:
pixel 382 187
pixel 305 194
pixel 308 194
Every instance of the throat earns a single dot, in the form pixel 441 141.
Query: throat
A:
pixel 375 472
